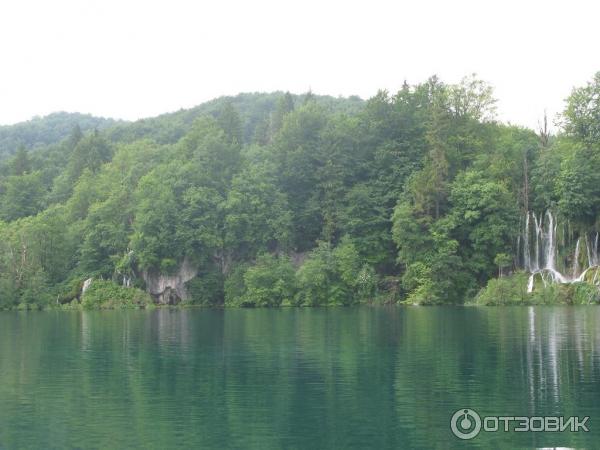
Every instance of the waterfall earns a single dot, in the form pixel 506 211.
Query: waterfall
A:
pixel 550 248
pixel 594 257
pixel 526 252
pixel 530 282
pixel 576 259
pixel 556 261
pixel 551 251
pixel 589 251
pixel 592 251
pixel 538 235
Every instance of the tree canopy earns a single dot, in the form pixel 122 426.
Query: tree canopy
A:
pixel 279 199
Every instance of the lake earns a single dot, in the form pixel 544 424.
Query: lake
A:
pixel 364 377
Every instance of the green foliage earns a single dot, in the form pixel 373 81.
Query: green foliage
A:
pixel 511 290
pixel 257 215
pixel 103 294
pixel 268 282
pixel 578 184
pixel 41 131
pixel 568 294
pixel 156 215
pixel 10 294
pixel 502 260
pixel 296 149
pixel 234 287
pixel 35 254
pixel 582 112
pixel 90 153
pixel 23 196
pixel 421 189
pixel 483 215
pixel 229 120
pixel 315 279
pixel 364 218
pixel 20 163
pixel 207 289
pixel 335 276
pixel 585 294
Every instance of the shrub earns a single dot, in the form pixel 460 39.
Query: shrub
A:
pixel 505 291
pixel 104 294
pixel 335 277
pixel 206 288
pixel 234 285
pixel 269 282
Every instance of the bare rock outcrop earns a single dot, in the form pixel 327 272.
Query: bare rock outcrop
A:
pixel 170 289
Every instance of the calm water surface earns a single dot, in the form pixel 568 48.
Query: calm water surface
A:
pixel 294 378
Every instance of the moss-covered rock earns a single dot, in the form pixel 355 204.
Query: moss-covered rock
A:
pixel 513 291
pixel 592 275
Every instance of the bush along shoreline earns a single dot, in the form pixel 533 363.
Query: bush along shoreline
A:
pixel 272 282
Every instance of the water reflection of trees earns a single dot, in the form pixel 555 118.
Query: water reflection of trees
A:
pixel 291 378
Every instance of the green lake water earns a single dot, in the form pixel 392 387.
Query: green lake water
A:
pixel 365 377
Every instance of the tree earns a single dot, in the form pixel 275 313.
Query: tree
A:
pixel 366 220
pixel 90 153
pixel 229 120
pixel 257 216
pixel 269 282
pixel 502 260
pixel 212 155
pixel 295 151
pixel 421 188
pixel 23 196
pixel 285 105
pixel 334 276
pixel 582 112
pixel 473 98
pixel 578 184
pixel 107 231
pixel 156 216
pixel 76 136
pixel 484 219
pixel 21 163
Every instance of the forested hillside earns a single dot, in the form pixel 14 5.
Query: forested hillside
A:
pixel 42 131
pixel 255 111
pixel 272 199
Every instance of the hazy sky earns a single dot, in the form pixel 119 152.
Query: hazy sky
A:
pixel 132 59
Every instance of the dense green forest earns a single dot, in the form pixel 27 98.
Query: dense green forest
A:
pixel 42 131
pixel 276 199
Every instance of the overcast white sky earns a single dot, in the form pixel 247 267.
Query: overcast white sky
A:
pixel 132 59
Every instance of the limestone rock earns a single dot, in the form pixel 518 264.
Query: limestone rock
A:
pixel 169 289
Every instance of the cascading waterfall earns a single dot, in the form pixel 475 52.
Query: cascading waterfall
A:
pixel 538 236
pixel 550 248
pixel 593 251
pixel 576 259
pixel 555 260
pixel 526 252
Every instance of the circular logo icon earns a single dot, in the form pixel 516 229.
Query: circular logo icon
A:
pixel 465 423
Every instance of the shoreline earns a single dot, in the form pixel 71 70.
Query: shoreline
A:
pixel 288 307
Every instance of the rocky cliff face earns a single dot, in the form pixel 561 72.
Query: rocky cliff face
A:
pixel 170 289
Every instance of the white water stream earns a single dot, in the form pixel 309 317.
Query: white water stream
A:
pixel 539 252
